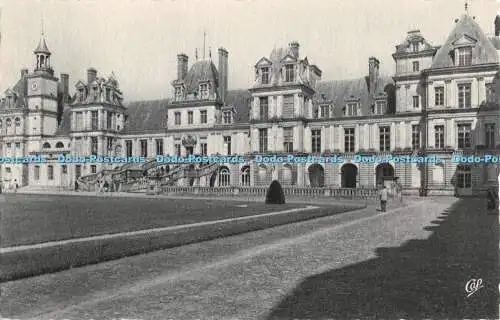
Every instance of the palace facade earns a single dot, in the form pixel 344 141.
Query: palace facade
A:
pixel 442 100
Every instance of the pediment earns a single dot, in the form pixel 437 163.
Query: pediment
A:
pixel 288 58
pixel 80 84
pixel 263 62
pixel 9 92
pixel 464 41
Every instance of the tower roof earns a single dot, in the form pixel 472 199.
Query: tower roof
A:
pixel 42 46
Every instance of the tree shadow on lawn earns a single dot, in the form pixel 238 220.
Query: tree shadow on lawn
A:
pixel 420 279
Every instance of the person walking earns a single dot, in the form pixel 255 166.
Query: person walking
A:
pixel 383 198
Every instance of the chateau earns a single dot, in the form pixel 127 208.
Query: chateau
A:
pixel 440 101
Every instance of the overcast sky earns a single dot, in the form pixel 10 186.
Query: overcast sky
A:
pixel 139 40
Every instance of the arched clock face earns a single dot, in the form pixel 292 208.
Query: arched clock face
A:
pixel 34 86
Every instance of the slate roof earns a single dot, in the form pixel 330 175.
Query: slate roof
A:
pixel 146 117
pixel 19 90
pixel 484 51
pixel 42 46
pixel 412 37
pixel 339 91
pixel 496 42
pixel 204 70
pixel 65 125
pixel 240 100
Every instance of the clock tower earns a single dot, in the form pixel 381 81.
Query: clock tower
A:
pixel 42 94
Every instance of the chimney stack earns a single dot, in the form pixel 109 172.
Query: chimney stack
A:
pixel 294 46
pixel 24 73
pixel 373 73
pixel 64 87
pixel 182 66
pixel 91 75
pixel 497 26
pixel 223 66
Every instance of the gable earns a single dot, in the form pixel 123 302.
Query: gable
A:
pixel 80 84
pixel 288 58
pixel 464 41
pixel 263 62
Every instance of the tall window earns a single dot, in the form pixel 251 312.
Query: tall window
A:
pixel 464 56
pixel 204 91
pixel 464 137
pixel 177 147
pixel 203 116
pixel 204 148
pixel 177 118
pixel 325 111
pixel 93 168
pixel 464 96
pixel 289 73
pixel 79 121
pixel 37 172
pixel 262 140
pixel 288 139
pixel 224 177
pixel 50 172
pixel 416 66
pixel 109 120
pixel 190 117
pixel 265 75
pixel 439 96
pixel 415 136
pixel 415 47
pixel 128 148
pixel 81 95
pixel 464 176
pixel 349 140
pixel 159 147
pixel 351 109
pixel 227 117
pixel 95 120
pixel 385 139
pixel 379 107
pixel 227 144
pixel 489 138
pixel 439 137
pixel 245 176
pixel 416 102
pixel 178 93
pixel 109 143
pixel 144 148
pixel 288 106
pixel 316 141
pixel 94 146
pixel 264 108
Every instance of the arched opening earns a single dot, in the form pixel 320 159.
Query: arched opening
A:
pixel 316 176
pixel 384 172
pixel 245 176
pixel 349 173
pixel 46 145
pixel 17 122
pixel 59 145
pixel 213 178
pixel 224 177
pixel 8 122
pixel 287 174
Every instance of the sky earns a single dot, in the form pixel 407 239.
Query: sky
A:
pixel 139 40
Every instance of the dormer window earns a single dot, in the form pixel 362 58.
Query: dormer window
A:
pixel 96 92
pixel 414 47
pixel 351 109
pixel 464 56
pixel 178 93
pixel 81 94
pixel 228 119
pixel 379 107
pixel 204 91
pixel 265 75
pixel 325 111
pixel 108 94
pixel 289 73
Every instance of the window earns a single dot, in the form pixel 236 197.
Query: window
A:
pixel 289 73
pixel 177 118
pixel 128 148
pixel 464 56
pixel 64 169
pixel 108 94
pixel 95 120
pixel 439 96
pixel 464 96
pixel 288 139
pixel 203 116
pixel 50 172
pixel 93 168
pixel 262 140
pixel 245 176
pixel 349 140
pixel 81 95
pixel 37 172
pixel 416 66
pixel 204 148
pixel 227 144
pixel 9 123
pixel 17 122
pixel 18 145
pixel 265 75
pixel 109 120
pixel 288 106
pixel 379 107
pixel 1 124
pixel 78 171
pixel 79 121
pixel 178 93
pixel 227 117
pixel 489 139
pixel 439 137
pixel 415 137
pixel 416 102
pixel 325 111
pixel 464 176
pixel 159 147
pixel 177 149
pixel 415 47
pixel 264 108
pixel 190 117
pixel 490 94
pixel 224 177
pixel 109 143
pixel 93 146
pixel 144 148
pixel 204 91
pixel 316 141
pixel 351 109
pixel 464 136
pixel 385 139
